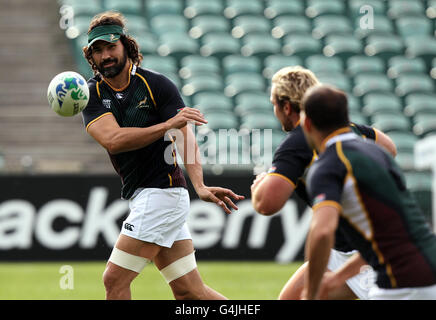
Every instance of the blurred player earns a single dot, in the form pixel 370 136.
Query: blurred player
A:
pixel 272 189
pixel 129 113
pixel 354 184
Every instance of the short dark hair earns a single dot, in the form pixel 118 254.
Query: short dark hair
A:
pixel 327 107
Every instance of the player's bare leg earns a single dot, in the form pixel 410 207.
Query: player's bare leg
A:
pixel 117 279
pixel 293 288
pixel 189 286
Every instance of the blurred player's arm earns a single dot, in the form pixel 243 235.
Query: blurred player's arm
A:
pixel 386 142
pixel 116 139
pixel 269 193
pixel 320 241
pixel 189 151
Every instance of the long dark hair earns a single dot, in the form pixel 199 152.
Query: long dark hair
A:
pixel 129 43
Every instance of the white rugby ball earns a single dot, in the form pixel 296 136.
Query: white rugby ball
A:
pixel 68 93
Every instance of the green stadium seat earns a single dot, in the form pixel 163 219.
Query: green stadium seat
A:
pixel 277 8
pixel 378 8
pixel 405 160
pixel 236 8
pixel 424 125
pixel 324 26
pixel 343 47
pixel 125 7
pixel 375 103
pixel 401 65
pixel 81 25
pixel 390 122
pixel 433 69
pixel 206 24
pixel 158 7
pixel 136 25
pixel 365 65
pixel 338 80
pixel 202 83
pixel 420 103
pixel 358 118
pixel 238 63
pixel 174 77
pixel 289 25
pixel 431 9
pixel 354 104
pixel 242 82
pixel 301 45
pixel 398 9
pixel 84 8
pixel 322 64
pixel 421 47
pixel 194 65
pixel 196 8
pixel 147 43
pixel 244 25
pixel 221 120
pixel 384 46
pixel 274 63
pixel 419 183
pixel 258 120
pixel 382 26
pixel 404 141
pixel 371 83
pixel 160 64
pixel 212 101
pixel 169 23
pixel 260 45
pixel 177 45
pixel 252 102
pixel 413 26
pixel 219 45
pixel 316 8
pixel 407 84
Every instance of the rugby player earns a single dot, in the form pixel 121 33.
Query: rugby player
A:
pixel 270 190
pixel 129 113
pixel 358 186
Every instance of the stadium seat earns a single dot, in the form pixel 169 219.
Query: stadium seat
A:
pixel 177 45
pixel 401 65
pixel 236 8
pixel 382 26
pixel 316 8
pixel 238 63
pixel 244 25
pixel 274 63
pixel 158 7
pixel 433 69
pixel 398 9
pixel 289 25
pixel 221 120
pixel 322 64
pixel 331 25
pixel 219 45
pixel 384 46
pixel 390 122
pixel 421 47
pixel 431 9
pixel 202 83
pixel 206 24
pixel 338 80
pixel 147 42
pixel 160 64
pixel 420 103
pixel 424 126
pixel 353 103
pixel 212 101
pixel 358 118
pixel 169 23
pixel 194 65
pixel 375 103
pixel 301 45
pixel 405 160
pixel 365 65
pixel 277 8
pixel 414 26
pixel 253 102
pixel 196 8
pixel 242 82
pixel 407 84
pixel 342 46
pixel 265 120
pixel 371 83
pixel 404 141
pixel 419 183
pixel 84 8
pixel 378 8
pixel 260 45
pixel 136 24
pixel 125 7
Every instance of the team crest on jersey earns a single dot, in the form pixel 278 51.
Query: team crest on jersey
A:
pixel 143 104
pixel 106 103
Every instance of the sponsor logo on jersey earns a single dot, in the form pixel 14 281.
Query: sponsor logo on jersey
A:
pixel 107 103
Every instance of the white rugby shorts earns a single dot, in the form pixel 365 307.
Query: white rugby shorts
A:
pixel 158 216
pixel 419 293
pixel 361 283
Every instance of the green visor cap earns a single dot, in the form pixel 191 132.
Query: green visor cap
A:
pixel 108 33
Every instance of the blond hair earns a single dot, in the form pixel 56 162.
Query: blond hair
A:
pixel 291 83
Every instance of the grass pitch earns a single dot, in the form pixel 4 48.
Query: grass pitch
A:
pixel 44 281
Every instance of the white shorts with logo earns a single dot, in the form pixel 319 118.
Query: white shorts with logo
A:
pixel 158 216
pixel 361 283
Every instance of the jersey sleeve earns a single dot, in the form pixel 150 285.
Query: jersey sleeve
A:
pixel 94 109
pixel 364 130
pixel 167 97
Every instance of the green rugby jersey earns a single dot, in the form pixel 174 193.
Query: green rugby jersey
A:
pixel 148 99
pixel 378 215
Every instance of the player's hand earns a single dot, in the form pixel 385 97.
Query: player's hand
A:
pixel 220 196
pixel 184 116
pixel 258 179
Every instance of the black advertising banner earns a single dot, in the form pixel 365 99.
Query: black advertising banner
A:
pixel 78 217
